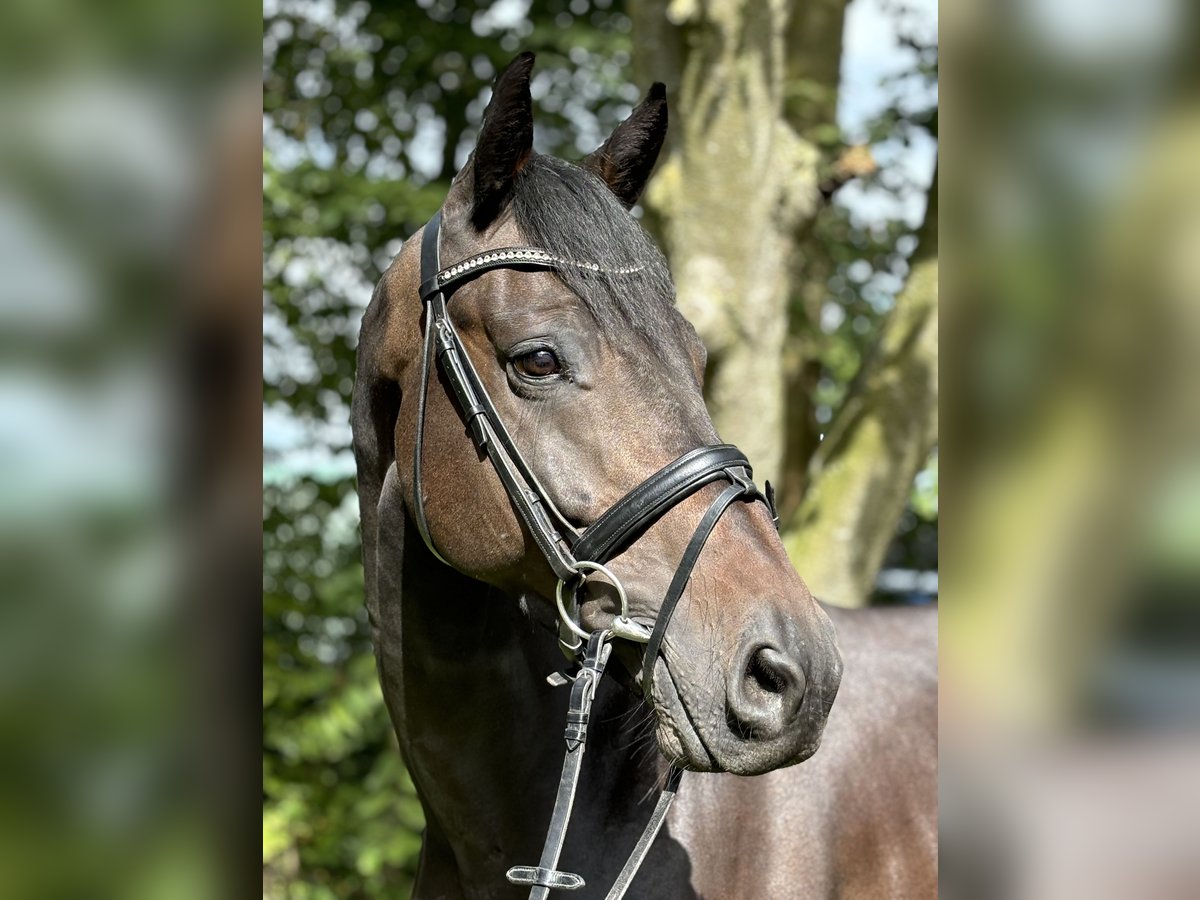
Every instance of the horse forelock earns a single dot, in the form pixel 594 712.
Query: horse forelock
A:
pixel 570 212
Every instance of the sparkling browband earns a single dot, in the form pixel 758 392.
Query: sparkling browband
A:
pixel 518 255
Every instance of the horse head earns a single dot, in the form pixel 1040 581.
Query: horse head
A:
pixel 598 378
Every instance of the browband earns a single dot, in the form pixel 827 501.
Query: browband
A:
pixel 506 258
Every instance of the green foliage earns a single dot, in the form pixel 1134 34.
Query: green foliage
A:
pixel 852 266
pixel 868 263
pixel 340 817
pixel 865 263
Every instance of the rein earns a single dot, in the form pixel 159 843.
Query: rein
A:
pixel 571 554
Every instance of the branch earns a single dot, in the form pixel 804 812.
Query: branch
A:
pixel 852 162
pixel 861 475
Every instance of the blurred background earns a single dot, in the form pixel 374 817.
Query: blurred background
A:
pixel 1070 671
pixel 794 203
pixel 129 406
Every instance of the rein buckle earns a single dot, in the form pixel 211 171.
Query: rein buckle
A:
pixel 547 878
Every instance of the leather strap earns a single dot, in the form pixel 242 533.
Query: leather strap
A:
pixel 549 528
pixel 583 692
pixel 429 261
pixel 651 499
pixel 477 404
pixel 649 833
pixel 506 258
pixel 545 877
pixel 679 582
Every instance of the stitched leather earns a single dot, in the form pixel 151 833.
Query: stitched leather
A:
pixel 582 693
pixel 549 528
pixel 649 833
pixel 429 262
pixel 682 575
pixel 651 499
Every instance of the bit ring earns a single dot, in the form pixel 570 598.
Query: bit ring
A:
pixel 581 567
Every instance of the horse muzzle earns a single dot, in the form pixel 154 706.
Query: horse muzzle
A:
pixel 765 711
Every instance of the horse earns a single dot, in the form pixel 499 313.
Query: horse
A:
pixel 581 358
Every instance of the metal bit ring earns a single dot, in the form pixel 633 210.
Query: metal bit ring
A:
pixel 622 626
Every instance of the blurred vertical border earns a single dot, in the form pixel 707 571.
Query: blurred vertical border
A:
pixel 1070 456
pixel 130 397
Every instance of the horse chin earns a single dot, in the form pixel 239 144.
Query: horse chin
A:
pixel 678 738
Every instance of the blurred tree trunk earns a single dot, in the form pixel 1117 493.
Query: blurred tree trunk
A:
pixel 740 179
pixel 753 90
pixel 860 477
pixel 814 74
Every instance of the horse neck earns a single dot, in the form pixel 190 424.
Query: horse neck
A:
pixel 480 728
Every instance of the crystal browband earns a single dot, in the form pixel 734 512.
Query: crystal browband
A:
pixel 519 255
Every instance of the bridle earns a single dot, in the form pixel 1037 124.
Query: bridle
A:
pixel 571 553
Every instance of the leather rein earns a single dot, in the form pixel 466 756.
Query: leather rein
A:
pixel 572 554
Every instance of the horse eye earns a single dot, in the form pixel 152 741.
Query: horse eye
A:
pixel 538 364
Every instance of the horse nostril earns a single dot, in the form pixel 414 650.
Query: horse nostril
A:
pixel 765 700
pixel 764 674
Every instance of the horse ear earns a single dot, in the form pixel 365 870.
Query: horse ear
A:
pixel 625 160
pixel 505 140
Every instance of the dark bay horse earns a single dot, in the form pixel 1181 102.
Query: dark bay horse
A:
pixel 598 378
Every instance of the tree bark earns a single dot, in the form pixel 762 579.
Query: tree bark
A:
pixel 753 92
pixel 861 475
pixel 814 74
pixel 737 182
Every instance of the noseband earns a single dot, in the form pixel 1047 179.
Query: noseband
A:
pixel 571 553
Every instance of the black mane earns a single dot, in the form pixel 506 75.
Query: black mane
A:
pixel 570 212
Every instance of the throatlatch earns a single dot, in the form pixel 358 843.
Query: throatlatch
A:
pixel 570 553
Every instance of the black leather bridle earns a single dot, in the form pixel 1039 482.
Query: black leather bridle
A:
pixel 570 553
